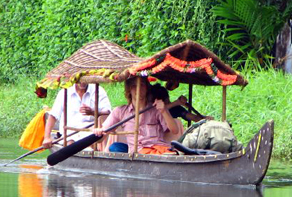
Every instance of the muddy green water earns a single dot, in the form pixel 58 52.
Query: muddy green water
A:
pixel 30 177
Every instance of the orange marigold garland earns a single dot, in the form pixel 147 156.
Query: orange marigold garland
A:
pixel 142 66
pixel 147 69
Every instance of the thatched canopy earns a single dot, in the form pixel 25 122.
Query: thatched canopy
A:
pixel 102 61
pixel 188 62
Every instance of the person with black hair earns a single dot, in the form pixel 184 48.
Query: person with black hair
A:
pixel 175 108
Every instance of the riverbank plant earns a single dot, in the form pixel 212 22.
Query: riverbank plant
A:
pixel 36 34
pixel 249 34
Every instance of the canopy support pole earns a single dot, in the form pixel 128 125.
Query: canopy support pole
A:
pixel 137 114
pixel 96 105
pixel 96 115
pixel 184 57
pixel 190 101
pixel 224 103
pixel 65 117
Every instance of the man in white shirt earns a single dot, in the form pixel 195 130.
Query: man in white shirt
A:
pixel 80 110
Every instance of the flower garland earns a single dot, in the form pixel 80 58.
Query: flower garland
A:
pixel 66 81
pixel 148 68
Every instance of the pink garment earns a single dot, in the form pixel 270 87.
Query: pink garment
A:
pixel 151 126
pixel 168 137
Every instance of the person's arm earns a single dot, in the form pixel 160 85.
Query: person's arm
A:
pixel 182 100
pixel 173 104
pixel 88 111
pixel 104 106
pixel 192 117
pixel 54 114
pixel 170 122
pixel 112 119
pixel 47 142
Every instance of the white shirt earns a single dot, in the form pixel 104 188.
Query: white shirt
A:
pixel 74 102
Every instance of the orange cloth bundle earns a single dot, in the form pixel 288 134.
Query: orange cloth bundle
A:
pixel 155 150
pixel 33 135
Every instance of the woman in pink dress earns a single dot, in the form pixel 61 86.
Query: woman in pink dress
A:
pixel 153 124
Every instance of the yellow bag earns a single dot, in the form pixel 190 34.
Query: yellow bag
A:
pixel 33 135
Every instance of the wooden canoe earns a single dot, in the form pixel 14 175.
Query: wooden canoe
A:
pixel 245 167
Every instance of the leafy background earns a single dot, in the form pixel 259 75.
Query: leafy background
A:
pixel 36 35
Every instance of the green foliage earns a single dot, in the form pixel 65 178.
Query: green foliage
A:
pixel 21 104
pixel 17 26
pixel 251 28
pixel 36 35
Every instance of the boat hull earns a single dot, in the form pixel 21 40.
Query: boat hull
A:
pixel 245 167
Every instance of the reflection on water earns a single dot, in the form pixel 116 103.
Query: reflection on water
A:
pixel 112 187
pixel 29 184
pixel 27 180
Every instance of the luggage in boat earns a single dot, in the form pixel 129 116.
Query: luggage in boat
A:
pixel 211 135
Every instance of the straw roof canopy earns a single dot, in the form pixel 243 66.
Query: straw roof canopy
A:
pixel 102 61
pixel 188 62
pixel 96 62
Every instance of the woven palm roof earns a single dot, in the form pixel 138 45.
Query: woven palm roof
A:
pixel 189 62
pixel 103 61
pixel 97 60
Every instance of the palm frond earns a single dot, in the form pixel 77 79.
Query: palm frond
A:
pixel 237 36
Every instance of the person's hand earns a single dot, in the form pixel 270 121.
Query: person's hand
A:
pixel 182 100
pixel 209 118
pixel 98 131
pixel 47 143
pixel 160 106
pixel 86 110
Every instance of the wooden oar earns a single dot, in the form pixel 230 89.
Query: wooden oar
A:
pixel 78 146
pixel 39 148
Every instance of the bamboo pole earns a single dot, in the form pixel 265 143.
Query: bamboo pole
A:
pixel 96 115
pixel 138 83
pixel 89 130
pixel 184 57
pixel 65 117
pixel 77 129
pixel 224 103
pixel 190 102
pixel 96 105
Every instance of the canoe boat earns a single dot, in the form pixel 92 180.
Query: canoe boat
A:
pixel 188 62
pixel 245 167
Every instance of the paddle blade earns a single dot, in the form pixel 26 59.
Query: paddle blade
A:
pixel 72 149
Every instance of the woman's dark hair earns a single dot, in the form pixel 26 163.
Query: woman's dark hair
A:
pixel 159 92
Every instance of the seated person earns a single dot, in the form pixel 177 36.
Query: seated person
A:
pixel 80 112
pixel 175 108
pixel 153 123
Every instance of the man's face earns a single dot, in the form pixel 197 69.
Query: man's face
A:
pixel 81 86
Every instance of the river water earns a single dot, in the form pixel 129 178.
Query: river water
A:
pixel 30 177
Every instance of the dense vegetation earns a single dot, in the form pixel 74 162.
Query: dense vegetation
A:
pixel 36 35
